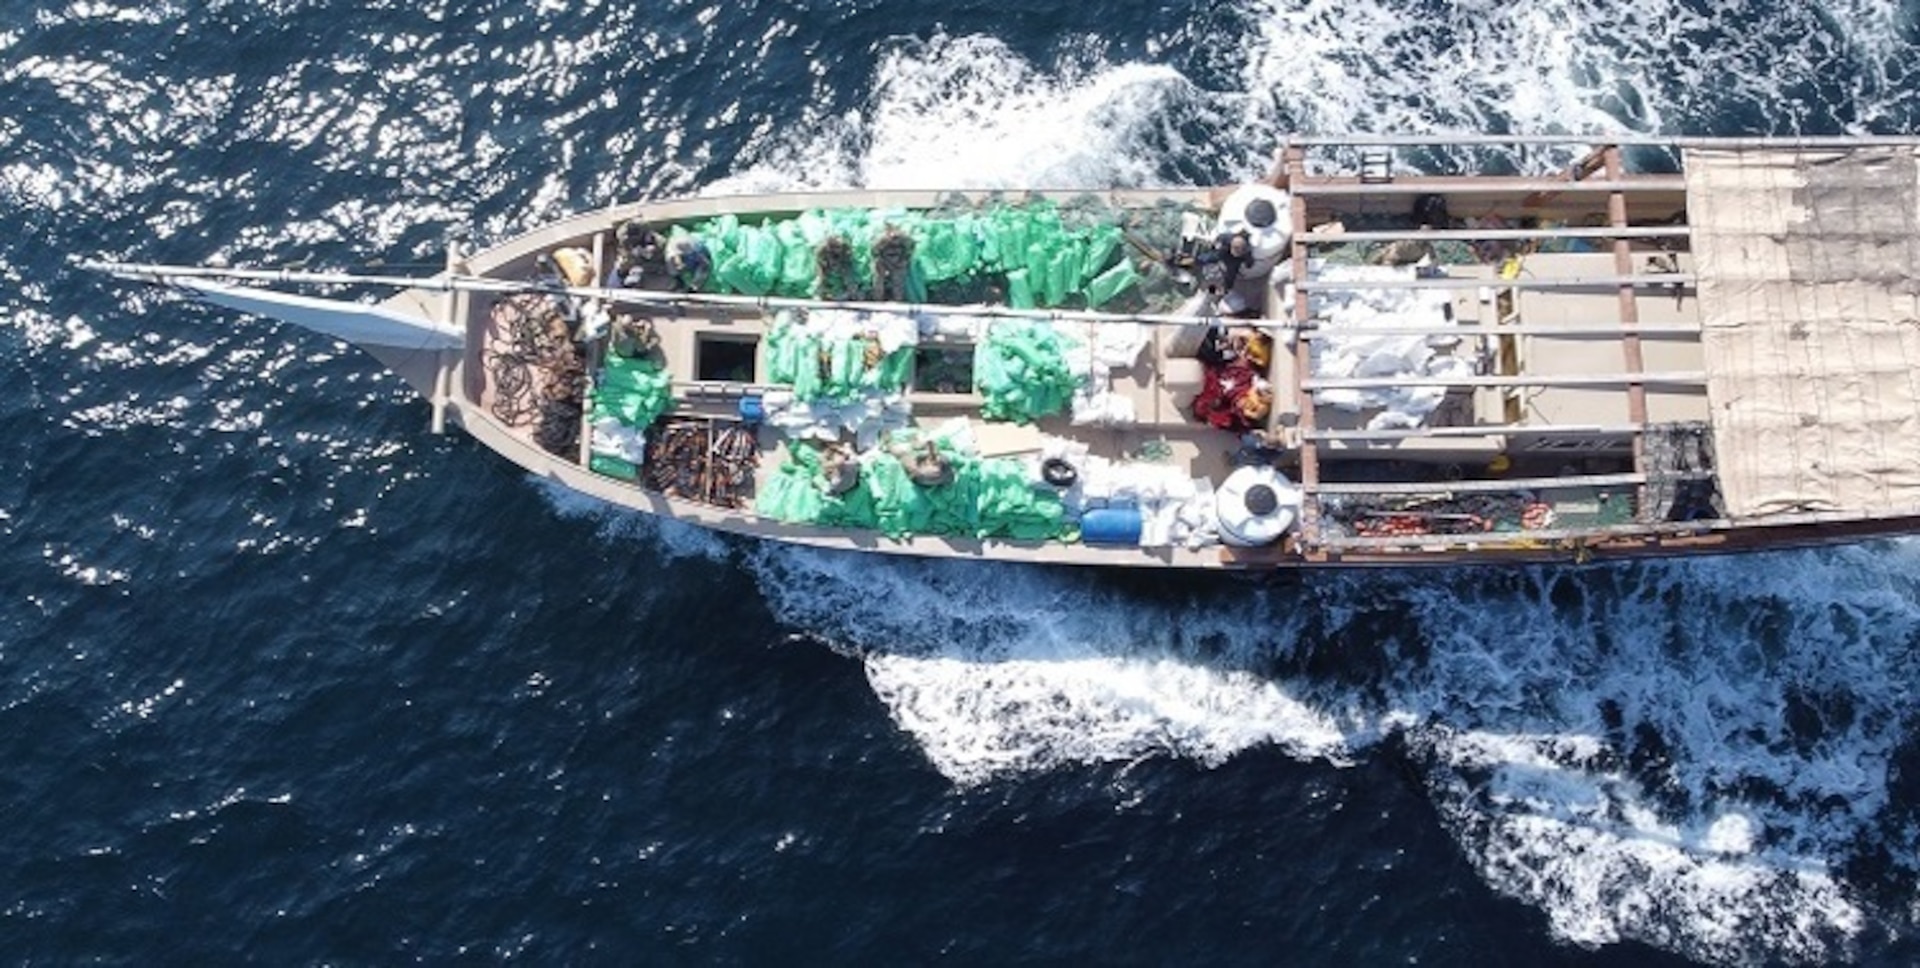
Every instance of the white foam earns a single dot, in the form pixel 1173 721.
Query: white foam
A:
pixel 1336 66
pixel 1582 842
pixel 980 718
pixel 998 670
pixel 1726 855
pixel 969 112
pixel 1500 680
pixel 1569 66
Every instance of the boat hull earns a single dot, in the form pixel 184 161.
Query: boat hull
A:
pixel 1586 348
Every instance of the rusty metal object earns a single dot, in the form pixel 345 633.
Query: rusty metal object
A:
pixel 702 460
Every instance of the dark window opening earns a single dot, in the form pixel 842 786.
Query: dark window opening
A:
pixel 943 369
pixel 725 359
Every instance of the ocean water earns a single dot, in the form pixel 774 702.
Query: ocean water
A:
pixel 286 679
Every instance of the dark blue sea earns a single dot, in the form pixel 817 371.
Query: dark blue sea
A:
pixel 286 679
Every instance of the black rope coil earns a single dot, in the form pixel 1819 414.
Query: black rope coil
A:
pixel 537 370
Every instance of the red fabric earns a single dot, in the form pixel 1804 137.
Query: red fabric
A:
pixel 1218 403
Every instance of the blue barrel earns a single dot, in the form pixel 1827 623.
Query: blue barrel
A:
pixel 751 409
pixel 1112 526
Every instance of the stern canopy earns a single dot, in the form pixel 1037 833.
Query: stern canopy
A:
pixel 1809 267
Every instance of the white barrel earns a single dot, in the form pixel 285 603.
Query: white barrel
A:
pixel 1269 227
pixel 1256 505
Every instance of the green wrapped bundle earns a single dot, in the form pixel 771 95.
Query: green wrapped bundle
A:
pixel 1019 290
pixel 791 493
pixel 1010 506
pixel 1046 261
pixel 1021 370
pixel 987 498
pixel 1063 272
pixel 797 267
pixel 1108 285
pixel 633 391
pixel 794 359
pixel 947 249
pixel 796 492
pixel 612 466
pixel 1103 250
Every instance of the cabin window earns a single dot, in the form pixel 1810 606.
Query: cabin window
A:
pixel 725 359
pixel 943 369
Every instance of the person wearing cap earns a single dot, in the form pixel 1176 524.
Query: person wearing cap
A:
pixel 639 242
pixel 1234 253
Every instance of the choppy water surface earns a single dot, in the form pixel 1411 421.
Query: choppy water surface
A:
pixel 284 677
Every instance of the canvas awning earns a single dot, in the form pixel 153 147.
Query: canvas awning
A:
pixel 1809 269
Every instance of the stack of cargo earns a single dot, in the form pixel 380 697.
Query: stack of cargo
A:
pixel 1028 251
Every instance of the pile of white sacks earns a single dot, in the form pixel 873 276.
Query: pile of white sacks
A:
pixel 611 437
pixel 1356 353
pixel 1100 349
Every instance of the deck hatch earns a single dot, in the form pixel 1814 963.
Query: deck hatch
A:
pixel 726 357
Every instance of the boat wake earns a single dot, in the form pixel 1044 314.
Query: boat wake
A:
pixel 1702 756
pixel 1688 755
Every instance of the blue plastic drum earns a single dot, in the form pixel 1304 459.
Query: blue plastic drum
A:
pixel 1111 526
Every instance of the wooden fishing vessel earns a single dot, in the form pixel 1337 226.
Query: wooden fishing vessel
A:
pixel 1673 346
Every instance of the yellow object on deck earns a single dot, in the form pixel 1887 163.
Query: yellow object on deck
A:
pixel 576 264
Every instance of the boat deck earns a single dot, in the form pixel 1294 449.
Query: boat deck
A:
pixel 1594 364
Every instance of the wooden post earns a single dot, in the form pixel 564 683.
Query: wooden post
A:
pixel 1296 170
pixel 1629 316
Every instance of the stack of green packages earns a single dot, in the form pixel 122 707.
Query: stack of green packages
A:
pixel 634 390
pixel 1020 368
pixel 819 366
pixel 1045 261
pixel 988 497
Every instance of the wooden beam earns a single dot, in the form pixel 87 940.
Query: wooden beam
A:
pixel 1295 166
pixel 1673 378
pixel 1488 185
pixel 1529 541
pixel 1483 430
pixel 1583 140
pixel 1674 279
pixel 1630 349
pixel 1500 235
pixel 1483 487
pixel 1611 330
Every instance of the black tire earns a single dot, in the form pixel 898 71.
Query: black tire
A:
pixel 1058 473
